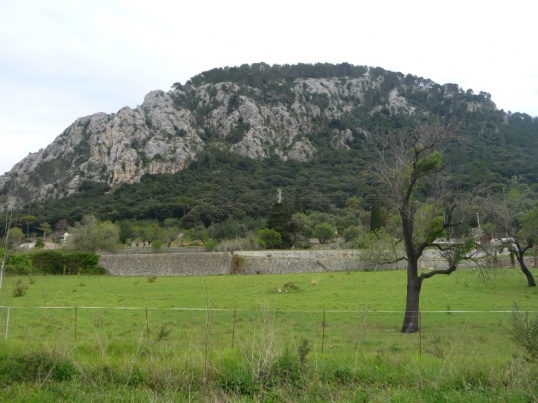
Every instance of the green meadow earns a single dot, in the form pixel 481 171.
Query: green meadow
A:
pixel 300 337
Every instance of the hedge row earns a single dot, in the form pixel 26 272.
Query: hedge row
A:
pixel 54 262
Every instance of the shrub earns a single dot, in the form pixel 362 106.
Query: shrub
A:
pixel 34 367
pixel 211 245
pixel 231 245
pixel 290 368
pixel 19 264
pixel 59 262
pixel 268 238
pixel 290 287
pixel 156 245
pixel 19 289
pixel 238 380
pixel 524 332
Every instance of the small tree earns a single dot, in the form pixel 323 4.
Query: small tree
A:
pixel 301 227
pixel 268 238
pixel 27 220
pixel 46 228
pixel 520 229
pixel 376 221
pixel 14 237
pixel 280 221
pixel 407 164
pixel 526 238
pixel 92 235
pixel 324 232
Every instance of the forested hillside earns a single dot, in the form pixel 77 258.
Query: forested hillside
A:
pixel 308 130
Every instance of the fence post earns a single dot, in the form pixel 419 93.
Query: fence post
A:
pixel 76 316
pixel 147 324
pixel 420 333
pixel 233 327
pixel 7 323
pixel 323 324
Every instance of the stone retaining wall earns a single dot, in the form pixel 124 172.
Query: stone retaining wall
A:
pixel 206 263
pixel 167 264
pixel 246 262
pixel 279 262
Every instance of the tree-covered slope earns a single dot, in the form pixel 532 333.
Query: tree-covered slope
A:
pixel 221 144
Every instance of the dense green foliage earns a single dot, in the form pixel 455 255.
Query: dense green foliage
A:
pixel 54 262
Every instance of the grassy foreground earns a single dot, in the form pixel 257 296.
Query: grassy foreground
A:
pixel 322 337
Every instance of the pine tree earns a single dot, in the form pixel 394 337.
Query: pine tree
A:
pixel 376 221
pixel 280 221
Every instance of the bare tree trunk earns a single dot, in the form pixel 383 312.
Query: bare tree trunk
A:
pixel 525 270
pixel 412 305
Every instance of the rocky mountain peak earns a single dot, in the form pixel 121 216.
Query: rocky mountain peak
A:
pixel 254 113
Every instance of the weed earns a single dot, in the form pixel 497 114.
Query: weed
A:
pixel 437 349
pixel 290 368
pixel 237 264
pixel 524 332
pixel 163 332
pixel 238 380
pixel 263 349
pixel 151 279
pixel 98 321
pixel 290 287
pixel 19 289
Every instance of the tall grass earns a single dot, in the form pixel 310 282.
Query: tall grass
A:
pixel 129 339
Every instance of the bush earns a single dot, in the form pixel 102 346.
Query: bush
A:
pixel 57 262
pixel 34 368
pixel 232 245
pixel 19 289
pixel 211 245
pixel 268 238
pixel 156 245
pixel 290 368
pixel 236 379
pixel 19 264
pixel 524 332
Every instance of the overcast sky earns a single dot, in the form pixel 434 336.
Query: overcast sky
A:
pixel 60 60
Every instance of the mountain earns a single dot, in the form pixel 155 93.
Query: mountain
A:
pixel 320 115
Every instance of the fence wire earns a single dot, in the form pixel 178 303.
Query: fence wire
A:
pixel 193 329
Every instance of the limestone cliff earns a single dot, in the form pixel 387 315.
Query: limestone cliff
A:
pixel 169 129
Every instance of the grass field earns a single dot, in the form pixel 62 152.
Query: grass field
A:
pixel 340 326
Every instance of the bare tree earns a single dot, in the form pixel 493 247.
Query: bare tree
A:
pixel 5 255
pixel 408 170
pixel 518 231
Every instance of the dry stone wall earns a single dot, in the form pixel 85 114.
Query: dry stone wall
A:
pixel 279 262
pixel 167 264
pixel 252 262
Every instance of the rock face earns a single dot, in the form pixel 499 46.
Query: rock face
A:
pixel 170 129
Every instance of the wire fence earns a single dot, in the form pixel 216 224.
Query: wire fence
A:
pixel 327 331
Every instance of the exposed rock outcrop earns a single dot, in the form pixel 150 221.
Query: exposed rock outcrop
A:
pixel 170 129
